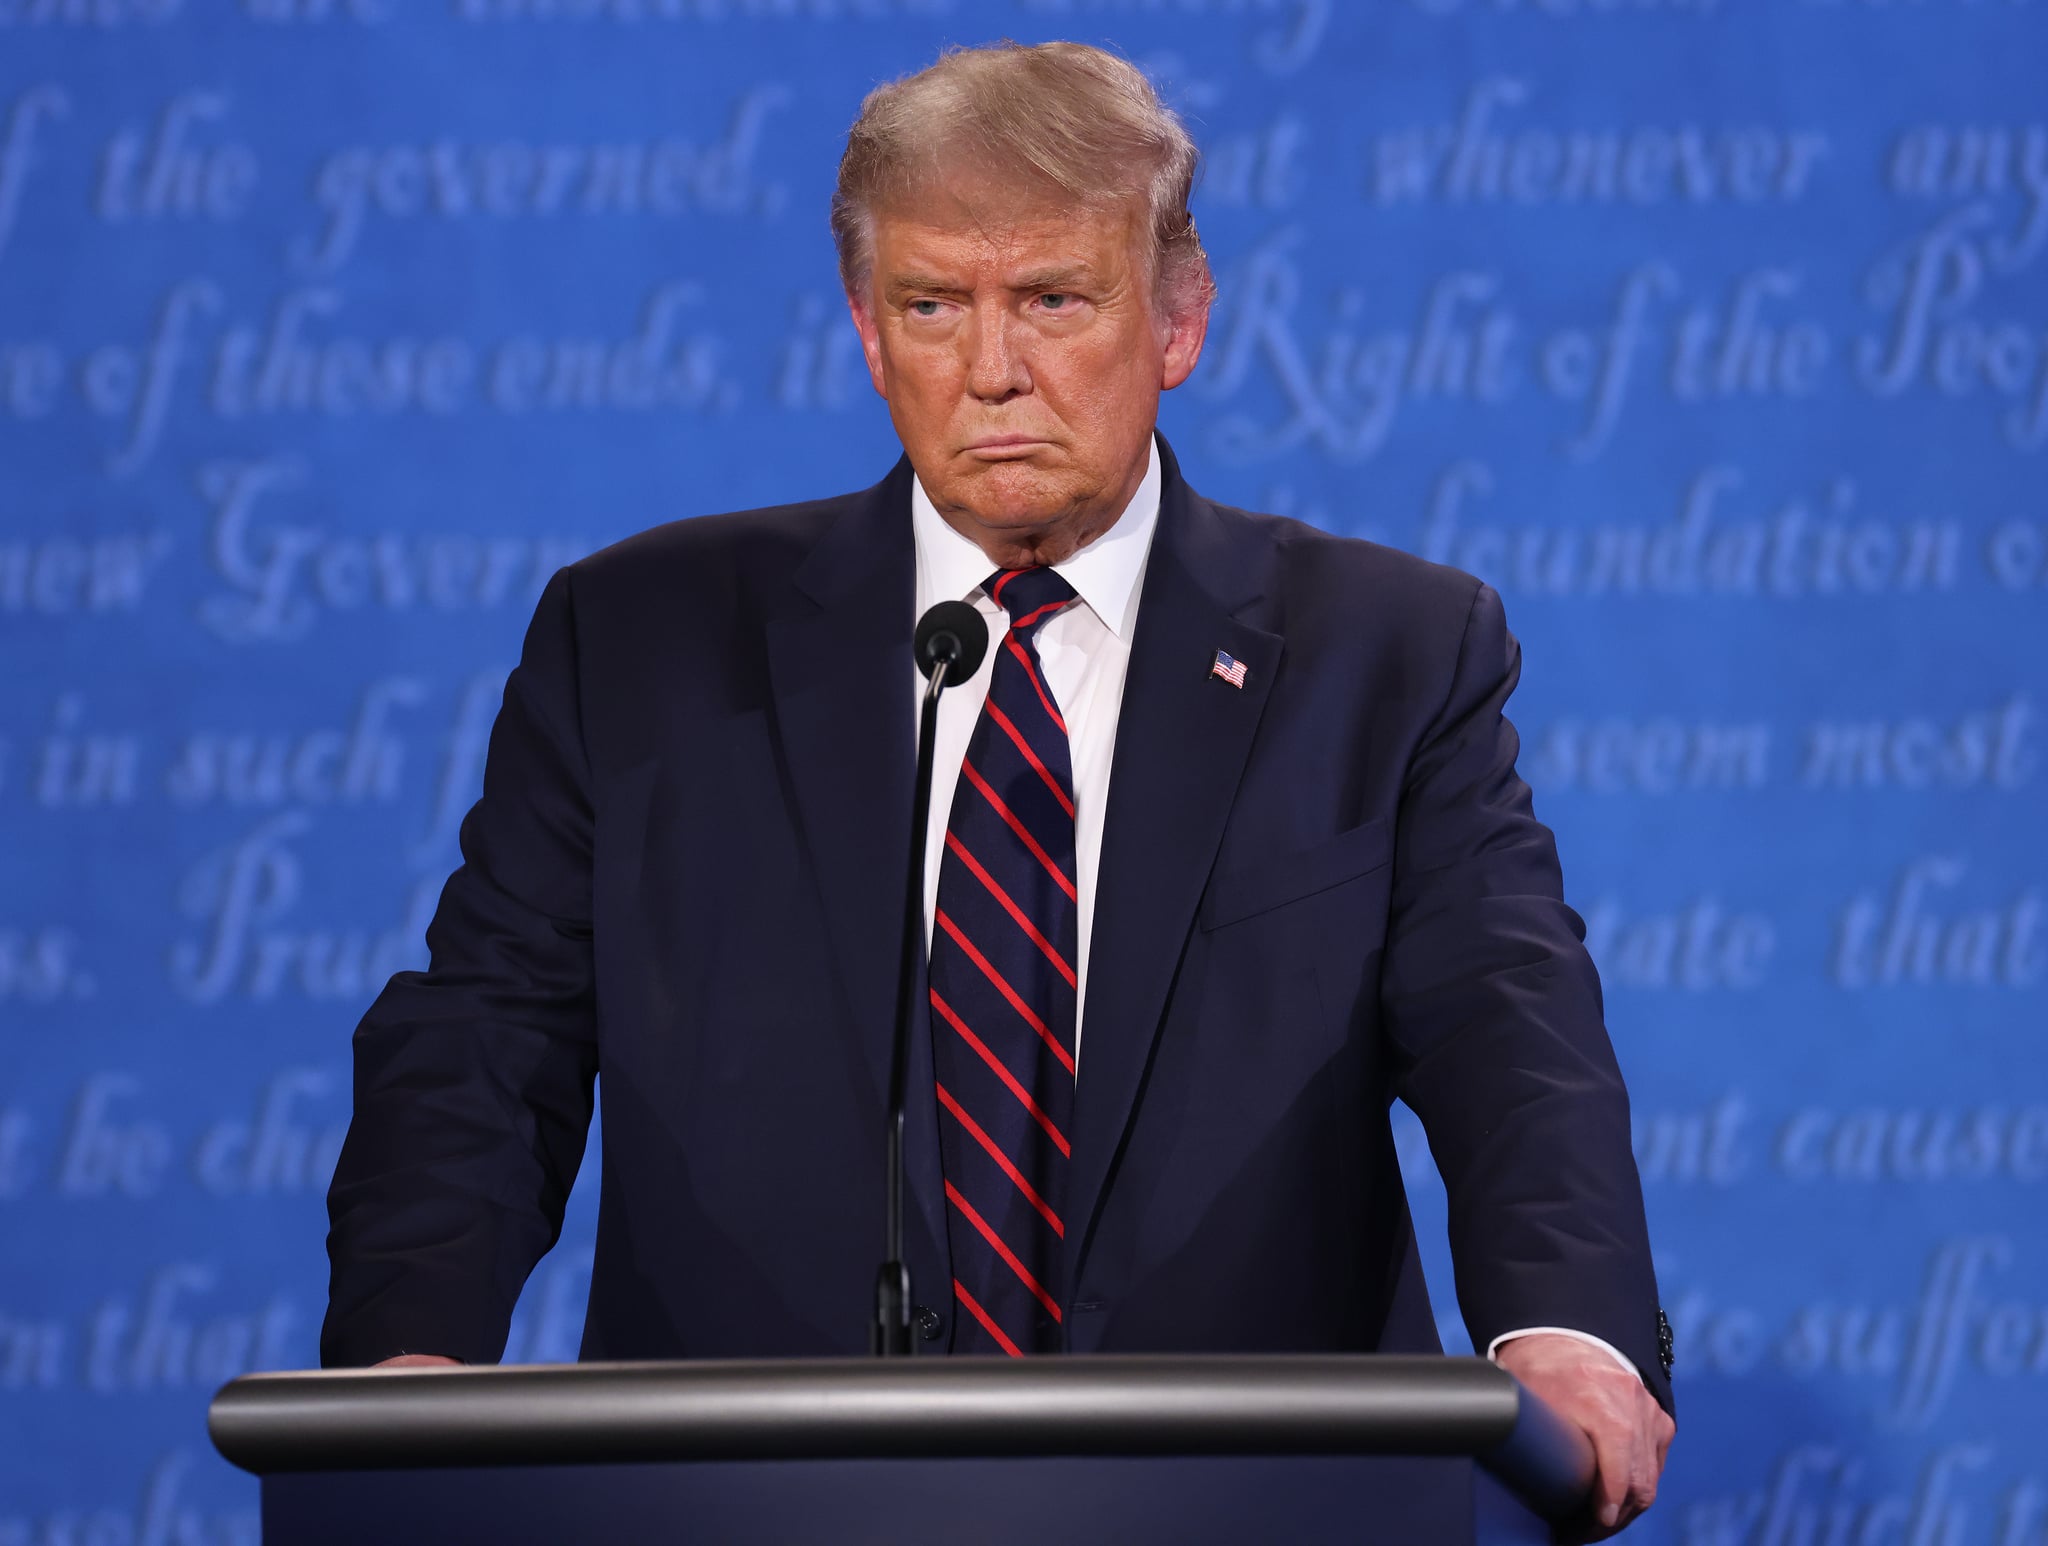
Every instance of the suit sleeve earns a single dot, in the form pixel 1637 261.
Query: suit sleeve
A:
pixel 1495 1012
pixel 474 1078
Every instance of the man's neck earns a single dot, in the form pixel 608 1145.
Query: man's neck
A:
pixel 1058 539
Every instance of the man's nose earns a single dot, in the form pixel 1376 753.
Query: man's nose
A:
pixel 996 367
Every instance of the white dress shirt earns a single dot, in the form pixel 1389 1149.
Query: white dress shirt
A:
pixel 1085 651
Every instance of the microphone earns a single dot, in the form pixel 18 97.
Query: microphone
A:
pixel 953 633
pixel 948 646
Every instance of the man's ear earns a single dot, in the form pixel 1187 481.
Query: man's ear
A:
pixel 870 340
pixel 1187 324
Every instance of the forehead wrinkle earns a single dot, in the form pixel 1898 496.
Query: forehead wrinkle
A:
pixel 1033 251
pixel 1000 211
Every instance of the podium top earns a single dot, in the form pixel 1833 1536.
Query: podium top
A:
pixel 567 1414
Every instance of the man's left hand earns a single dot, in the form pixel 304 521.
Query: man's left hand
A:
pixel 1630 1432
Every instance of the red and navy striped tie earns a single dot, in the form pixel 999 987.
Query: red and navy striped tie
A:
pixel 1003 993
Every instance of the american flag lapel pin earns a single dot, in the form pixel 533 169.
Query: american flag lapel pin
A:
pixel 1229 668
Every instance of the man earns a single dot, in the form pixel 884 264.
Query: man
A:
pixel 1230 795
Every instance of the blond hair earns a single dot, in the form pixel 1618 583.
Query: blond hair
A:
pixel 1081 122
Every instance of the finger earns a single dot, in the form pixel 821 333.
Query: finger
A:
pixel 1647 1456
pixel 1667 1430
pixel 1630 1504
pixel 1642 1479
pixel 1612 1455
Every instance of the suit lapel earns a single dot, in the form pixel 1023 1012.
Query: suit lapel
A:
pixel 840 664
pixel 1181 743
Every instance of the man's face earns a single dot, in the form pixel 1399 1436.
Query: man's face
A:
pixel 1022 356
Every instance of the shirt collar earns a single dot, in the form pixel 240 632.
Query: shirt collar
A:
pixel 1104 574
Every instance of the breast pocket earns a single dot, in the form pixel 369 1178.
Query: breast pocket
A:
pixel 1250 889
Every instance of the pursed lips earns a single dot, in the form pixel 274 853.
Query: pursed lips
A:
pixel 1005 447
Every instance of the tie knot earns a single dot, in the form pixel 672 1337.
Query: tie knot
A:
pixel 1029 595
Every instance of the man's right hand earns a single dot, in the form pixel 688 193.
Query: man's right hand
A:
pixel 418 1361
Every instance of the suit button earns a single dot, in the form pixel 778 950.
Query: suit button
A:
pixel 929 1322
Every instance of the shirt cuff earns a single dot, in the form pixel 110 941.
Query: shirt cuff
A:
pixel 1587 1337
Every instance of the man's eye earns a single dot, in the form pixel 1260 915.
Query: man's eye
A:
pixel 1055 301
pixel 924 308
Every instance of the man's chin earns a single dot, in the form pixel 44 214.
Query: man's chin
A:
pixel 1011 496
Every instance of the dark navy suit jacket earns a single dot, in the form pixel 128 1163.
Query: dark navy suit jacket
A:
pixel 685 875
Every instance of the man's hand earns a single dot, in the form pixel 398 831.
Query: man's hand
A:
pixel 1630 1432
pixel 418 1361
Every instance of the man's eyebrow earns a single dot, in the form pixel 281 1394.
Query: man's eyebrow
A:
pixel 921 284
pixel 1062 277
pixel 1073 276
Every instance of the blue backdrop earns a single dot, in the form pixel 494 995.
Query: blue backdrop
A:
pixel 1713 332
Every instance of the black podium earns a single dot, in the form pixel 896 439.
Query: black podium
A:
pixel 939 1452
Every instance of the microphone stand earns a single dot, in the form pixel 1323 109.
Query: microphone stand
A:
pixel 949 645
pixel 890 1334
